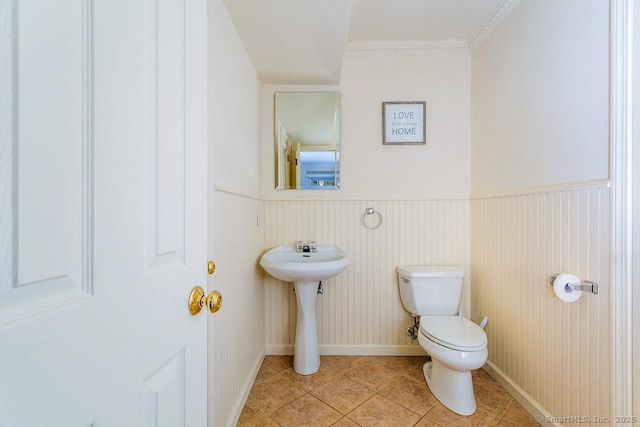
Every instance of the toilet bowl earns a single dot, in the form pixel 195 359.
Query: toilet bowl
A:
pixel 456 344
pixel 453 356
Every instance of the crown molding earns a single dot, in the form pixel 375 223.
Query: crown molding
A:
pixel 416 48
pixel 404 48
pixel 490 22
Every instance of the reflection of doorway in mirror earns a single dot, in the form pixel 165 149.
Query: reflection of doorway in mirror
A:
pixel 318 169
pixel 307 122
pixel 305 166
pixel 282 149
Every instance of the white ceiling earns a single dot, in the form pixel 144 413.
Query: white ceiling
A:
pixel 303 41
pixel 416 20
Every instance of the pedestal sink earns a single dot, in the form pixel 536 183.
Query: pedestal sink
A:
pixel 305 270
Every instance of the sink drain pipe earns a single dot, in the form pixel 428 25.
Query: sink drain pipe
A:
pixel 320 288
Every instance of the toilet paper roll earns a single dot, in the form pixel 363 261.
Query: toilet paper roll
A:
pixel 562 288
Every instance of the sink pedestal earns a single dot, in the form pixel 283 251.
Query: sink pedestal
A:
pixel 305 270
pixel 306 359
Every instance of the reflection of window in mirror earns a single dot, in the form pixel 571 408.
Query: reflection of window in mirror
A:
pixel 307 146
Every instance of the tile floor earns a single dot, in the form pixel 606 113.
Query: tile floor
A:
pixel 387 391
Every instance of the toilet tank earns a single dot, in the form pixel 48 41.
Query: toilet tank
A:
pixel 431 290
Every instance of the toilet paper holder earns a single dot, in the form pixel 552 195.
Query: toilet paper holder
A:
pixel 586 285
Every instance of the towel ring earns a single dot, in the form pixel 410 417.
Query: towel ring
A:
pixel 371 211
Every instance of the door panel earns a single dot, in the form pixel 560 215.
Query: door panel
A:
pixel 103 199
pixel 164 395
pixel 164 134
pixel 51 254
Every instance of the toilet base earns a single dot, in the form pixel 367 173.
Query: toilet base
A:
pixel 454 389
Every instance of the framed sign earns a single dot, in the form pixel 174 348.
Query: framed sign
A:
pixel 403 122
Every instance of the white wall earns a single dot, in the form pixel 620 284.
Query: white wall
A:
pixel 544 346
pixel 540 203
pixel 234 107
pixel 236 239
pixel 421 192
pixel 369 169
pixel 360 311
pixel 540 97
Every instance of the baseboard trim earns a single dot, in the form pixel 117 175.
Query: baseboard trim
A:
pixel 527 402
pixel 246 388
pixel 351 350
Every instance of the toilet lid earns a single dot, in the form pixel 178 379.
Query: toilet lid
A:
pixel 455 332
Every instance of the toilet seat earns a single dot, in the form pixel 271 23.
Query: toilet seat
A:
pixel 454 332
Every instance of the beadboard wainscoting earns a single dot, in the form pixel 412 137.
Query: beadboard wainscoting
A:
pixel 554 356
pixel 360 311
pixel 236 336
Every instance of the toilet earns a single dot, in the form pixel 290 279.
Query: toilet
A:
pixel 456 344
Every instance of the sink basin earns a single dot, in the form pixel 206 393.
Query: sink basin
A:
pixel 284 263
pixel 306 270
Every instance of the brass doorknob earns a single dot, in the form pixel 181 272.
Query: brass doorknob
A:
pixel 197 300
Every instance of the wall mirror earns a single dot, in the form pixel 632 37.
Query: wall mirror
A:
pixel 307 140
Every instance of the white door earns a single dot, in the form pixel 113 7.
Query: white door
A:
pixel 102 212
pixel 297 166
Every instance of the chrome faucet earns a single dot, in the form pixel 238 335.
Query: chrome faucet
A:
pixel 311 246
